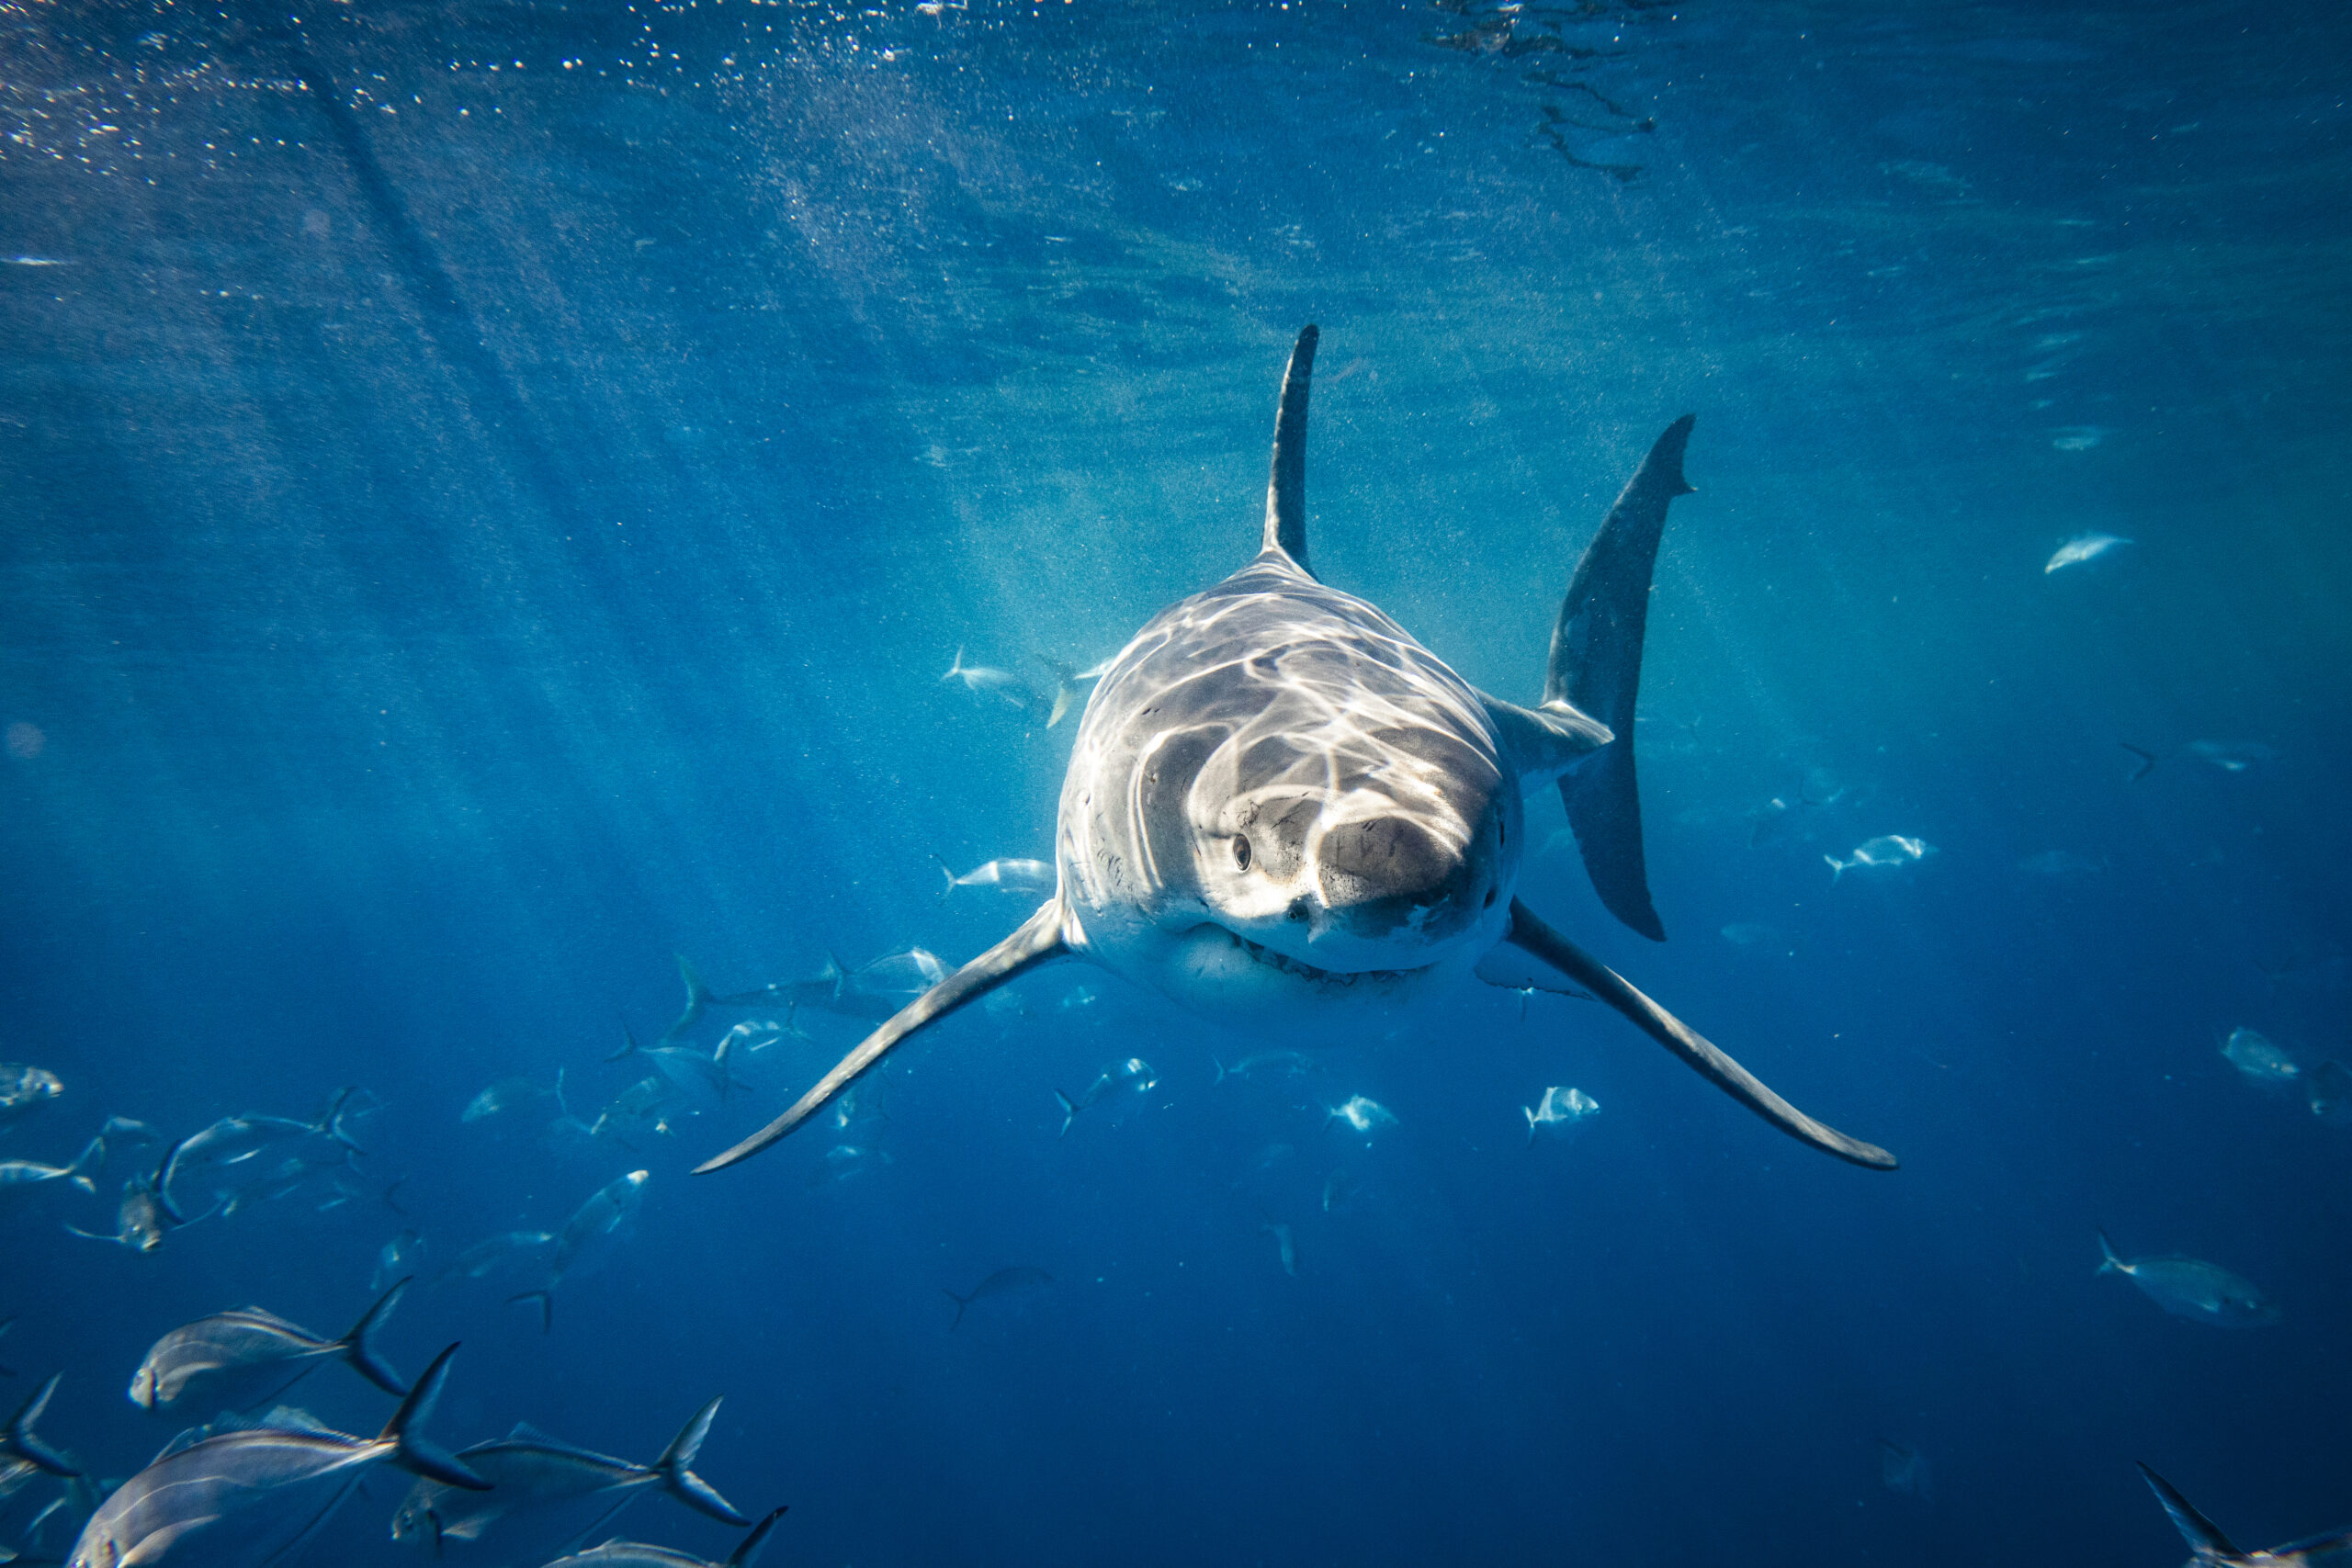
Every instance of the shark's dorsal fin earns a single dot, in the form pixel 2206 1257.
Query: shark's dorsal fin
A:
pixel 1286 481
pixel 1595 670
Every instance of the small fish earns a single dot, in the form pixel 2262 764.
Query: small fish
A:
pixel 845 1162
pixel 2231 756
pixel 607 1210
pixel 1886 851
pixel 25 1088
pixel 1267 1065
pixel 403 1254
pixel 688 1070
pixel 505 1095
pixel 527 1470
pixel 1363 1114
pixel 2060 865
pixel 1903 1470
pixel 1561 1108
pixel 2208 1548
pixel 2193 1289
pixel 19 1177
pixel 1338 1188
pixel 1284 1246
pixel 239 1155
pixel 1030 876
pixel 981 681
pixel 1748 933
pixel 2258 1058
pixel 242 1359
pixel 488 1256
pixel 1015 1282
pixel 2082 549
pixel 140 1220
pixel 1077 997
pixel 36 261
pixel 1134 1074
pixel 257 1495
pixel 2329 1089
pixel 636 1554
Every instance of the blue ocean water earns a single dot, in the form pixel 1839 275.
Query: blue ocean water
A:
pixel 488 492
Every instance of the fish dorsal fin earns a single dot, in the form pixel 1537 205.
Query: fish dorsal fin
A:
pixel 524 1432
pixel 2209 1543
pixel 293 1418
pixel 1286 481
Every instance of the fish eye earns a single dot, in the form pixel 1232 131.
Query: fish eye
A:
pixel 1241 851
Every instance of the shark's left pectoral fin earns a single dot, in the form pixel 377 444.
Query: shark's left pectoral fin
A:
pixel 1531 935
pixel 1039 941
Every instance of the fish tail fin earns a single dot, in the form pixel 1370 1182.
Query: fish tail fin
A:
pixel 2209 1543
pixel 948 872
pixel 2147 765
pixel 2108 1263
pixel 1595 667
pixel 835 971
pixel 86 1163
pixel 359 1345
pixel 961 1303
pixel 957 667
pixel 1529 1112
pixel 1070 1113
pixel 547 1305
pixel 28 1445
pixel 629 1047
pixel 411 1452
pixel 697 994
pixel 678 1478
pixel 1219 1065
pixel 747 1551
pixel 332 1123
pixel 1837 867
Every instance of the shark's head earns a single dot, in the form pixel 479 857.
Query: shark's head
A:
pixel 1278 793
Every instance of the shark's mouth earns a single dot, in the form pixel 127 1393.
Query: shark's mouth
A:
pixel 1284 964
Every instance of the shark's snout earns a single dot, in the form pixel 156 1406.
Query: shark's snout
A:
pixel 1381 874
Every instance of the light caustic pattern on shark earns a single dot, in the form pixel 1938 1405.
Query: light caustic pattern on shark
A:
pixel 1283 813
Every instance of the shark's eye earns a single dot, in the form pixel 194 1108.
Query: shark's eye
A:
pixel 1241 851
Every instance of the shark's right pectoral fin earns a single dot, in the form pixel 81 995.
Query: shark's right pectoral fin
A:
pixel 1534 936
pixel 1039 941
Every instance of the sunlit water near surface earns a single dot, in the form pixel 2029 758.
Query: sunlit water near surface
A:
pixel 488 492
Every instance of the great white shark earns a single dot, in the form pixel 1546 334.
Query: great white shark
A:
pixel 1284 814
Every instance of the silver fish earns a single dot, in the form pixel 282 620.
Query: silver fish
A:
pixel 981 681
pixel 1285 1247
pixel 239 1156
pixel 2329 1089
pixel 636 1554
pixel 140 1220
pixel 505 1095
pixel 486 1256
pixel 2081 550
pixel 2258 1058
pixel 2194 1289
pixel 399 1257
pixel 1014 1282
pixel 257 1496
pixel 1002 875
pixel 605 1210
pixel 1134 1073
pixel 1362 1113
pixel 242 1359
pixel 687 1070
pixel 2208 1548
pixel 1883 852
pixel 25 1088
pixel 1564 1108
pixel 1903 1470
pixel 529 1470
pixel 1267 1065
pixel 19 1177
pixel 1338 1188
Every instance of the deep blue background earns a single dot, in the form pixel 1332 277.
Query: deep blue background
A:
pixel 487 494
